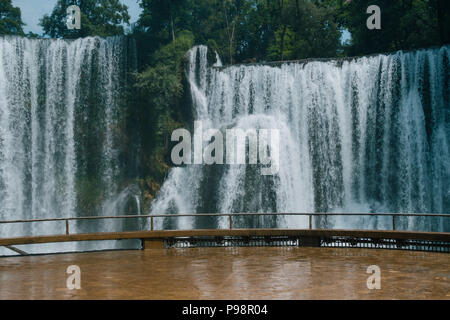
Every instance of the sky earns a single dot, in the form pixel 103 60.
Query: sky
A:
pixel 33 10
pixel 345 36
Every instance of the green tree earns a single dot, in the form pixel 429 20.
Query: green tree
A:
pixel 282 19
pixel 159 92
pixel 405 24
pixel 442 10
pixel 160 22
pixel 256 32
pixel 282 44
pixel 10 19
pixel 303 29
pixel 219 23
pixel 234 12
pixel 164 18
pixel 98 18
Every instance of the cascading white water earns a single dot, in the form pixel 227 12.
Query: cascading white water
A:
pixel 59 109
pixel 218 61
pixel 369 134
pixel 138 204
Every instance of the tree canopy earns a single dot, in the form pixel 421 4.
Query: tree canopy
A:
pixel 246 29
pixel 405 24
pixel 267 30
pixel 259 30
pixel 10 19
pixel 98 18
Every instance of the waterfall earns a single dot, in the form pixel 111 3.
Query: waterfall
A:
pixel 218 61
pixel 138 204
pixel 60 114
pixel 367 134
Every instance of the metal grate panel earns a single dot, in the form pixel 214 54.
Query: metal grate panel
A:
pixel 286 241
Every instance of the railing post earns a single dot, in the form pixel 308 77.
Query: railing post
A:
pixel 151 223
pixel 67 227
pixel 231 221
pixel 393 222
pixel 310 222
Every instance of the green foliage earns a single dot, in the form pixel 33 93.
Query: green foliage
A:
pixel 304 30
pixel 255 30
pixel 160 84
pixel 163 17
pixel 283 44
pixel 98 18
pixel 245 30
pixel 10 19
pixel 159 90
pixel 32 35
pixel 405 24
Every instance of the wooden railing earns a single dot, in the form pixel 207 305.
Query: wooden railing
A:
pixel 153 234
pixel 230 216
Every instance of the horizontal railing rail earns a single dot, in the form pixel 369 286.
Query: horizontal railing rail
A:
pixel 317 236
pixel 229 215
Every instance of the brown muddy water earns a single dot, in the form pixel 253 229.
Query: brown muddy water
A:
pixel 229 273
